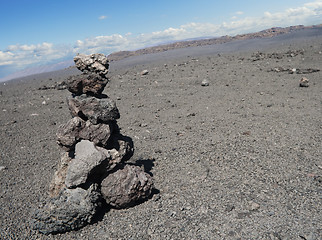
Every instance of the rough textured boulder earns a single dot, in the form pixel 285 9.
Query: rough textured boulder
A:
pixel 94 63
pixel 90 83
pixel 77 129
pixel 94 109
pixel 71 210
pixel 126 187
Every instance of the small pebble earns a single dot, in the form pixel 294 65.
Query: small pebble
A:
pixel 205 83
pixel 304 82
pixel 254 206
pixel 2 168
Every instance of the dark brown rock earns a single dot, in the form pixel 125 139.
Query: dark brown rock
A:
pixel 90 84
pixel 77 129
pixel 93 109
pixel 126 187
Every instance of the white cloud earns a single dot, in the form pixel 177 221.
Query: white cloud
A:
pixel 102 17
pixel 110 43
pixel 26 55
pixel 23 55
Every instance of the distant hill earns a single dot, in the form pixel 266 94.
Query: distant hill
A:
pixel 271 32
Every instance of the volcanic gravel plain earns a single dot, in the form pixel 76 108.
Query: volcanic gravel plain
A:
pixel 238 159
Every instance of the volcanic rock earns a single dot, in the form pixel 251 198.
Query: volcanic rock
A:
pixel 304 82
pixel 94 63
pixel 205 83
pixel 94 109
pixel 71 210
pixel 77 129
pixel 90 162
pixel 90 84
pixel 95 148
pixel 126 187
pixel 123 144
pixel 144 72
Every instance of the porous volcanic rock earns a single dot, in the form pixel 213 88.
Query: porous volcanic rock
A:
pixel 126 187
pixel 70 210
pixel 94 109
pixel 89 83
pixel 77 129
pixel 94 63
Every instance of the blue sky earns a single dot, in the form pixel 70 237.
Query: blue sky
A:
pixel 40 32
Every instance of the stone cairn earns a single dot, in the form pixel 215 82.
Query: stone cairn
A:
pixel 92 169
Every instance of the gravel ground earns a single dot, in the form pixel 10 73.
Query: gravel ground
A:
pixel 238 159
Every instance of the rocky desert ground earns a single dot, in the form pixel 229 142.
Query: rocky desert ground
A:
pixel 238 158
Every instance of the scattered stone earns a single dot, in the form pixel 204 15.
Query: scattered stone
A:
pixel 254 206
pixel 144 72
pixel 71 210
pixel 126 187
pixel 94 109
pixel 94 63
pixel 205 83
pixel 57 86
pixel 307 70
pixel 304 82
pixel 2 168
pixel 293 70
pixel 61 85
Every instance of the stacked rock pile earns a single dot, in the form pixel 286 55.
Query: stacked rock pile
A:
pixel 92 169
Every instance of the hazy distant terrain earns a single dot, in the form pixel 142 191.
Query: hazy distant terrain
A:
pixel 268 33
pixel 37 70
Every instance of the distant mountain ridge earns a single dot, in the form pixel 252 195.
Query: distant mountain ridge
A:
pixel 201 41
pixel 271 32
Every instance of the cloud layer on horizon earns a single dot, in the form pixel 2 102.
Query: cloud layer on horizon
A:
pixel 21 56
